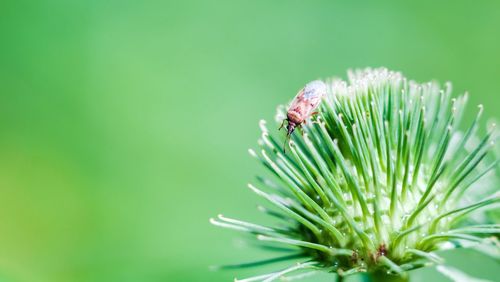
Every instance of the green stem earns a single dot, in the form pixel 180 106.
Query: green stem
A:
pixel 382 276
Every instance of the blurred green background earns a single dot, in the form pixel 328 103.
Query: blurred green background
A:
pixel 124 124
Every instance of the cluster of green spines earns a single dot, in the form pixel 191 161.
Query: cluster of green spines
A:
pixel 377 180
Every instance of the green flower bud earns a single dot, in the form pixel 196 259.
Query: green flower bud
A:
pixel 379 179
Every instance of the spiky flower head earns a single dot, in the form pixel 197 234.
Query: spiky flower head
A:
pixel 380 178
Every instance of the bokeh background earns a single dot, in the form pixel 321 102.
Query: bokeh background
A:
pixel 124 125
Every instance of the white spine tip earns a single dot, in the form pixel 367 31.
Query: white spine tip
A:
pixel 262 125
pixel 255 190
pixel 252 152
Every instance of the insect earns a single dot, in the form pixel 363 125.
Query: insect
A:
pixel 303 106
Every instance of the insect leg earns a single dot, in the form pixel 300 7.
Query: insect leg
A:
pixel 282 124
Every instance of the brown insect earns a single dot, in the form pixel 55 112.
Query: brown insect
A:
pixel 303 106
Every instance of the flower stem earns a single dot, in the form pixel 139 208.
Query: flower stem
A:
pixel 382 276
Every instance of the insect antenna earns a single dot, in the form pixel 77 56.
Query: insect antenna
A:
pixel 287 138
pixel 284 145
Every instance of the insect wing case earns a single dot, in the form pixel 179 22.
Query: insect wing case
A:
pixel 308 98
